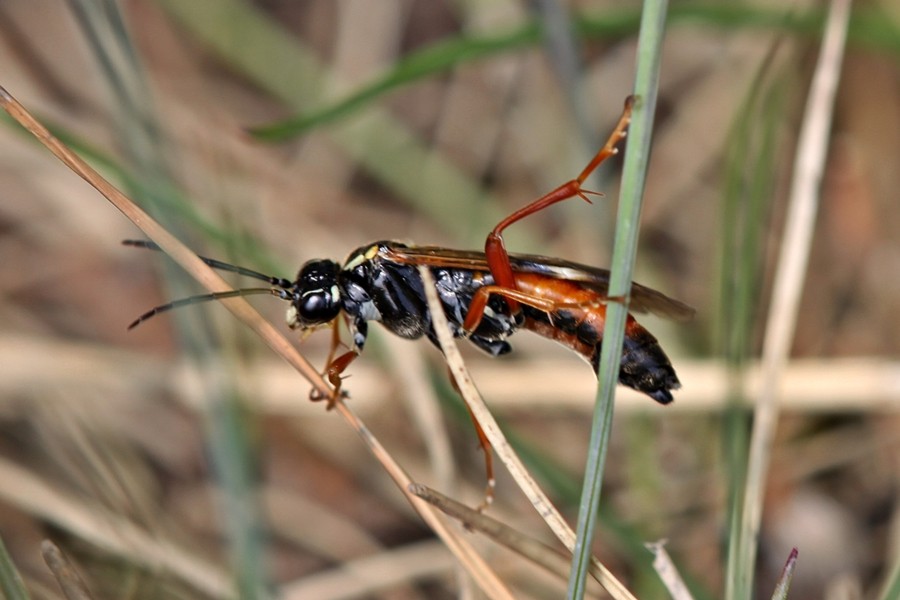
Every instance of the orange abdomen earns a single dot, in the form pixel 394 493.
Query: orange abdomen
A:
pixel 578 324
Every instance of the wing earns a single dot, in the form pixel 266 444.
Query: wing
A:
pixel 643 298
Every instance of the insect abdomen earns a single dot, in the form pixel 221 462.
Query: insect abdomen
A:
pixel 644 366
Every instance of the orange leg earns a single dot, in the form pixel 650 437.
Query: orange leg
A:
pixel 494 249
pixel 335 341
pixel 486 448
pixel 333 373
pixel 481 297
pixel 488 463
pixel 335 367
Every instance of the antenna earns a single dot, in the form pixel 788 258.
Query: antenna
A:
pixel 280 290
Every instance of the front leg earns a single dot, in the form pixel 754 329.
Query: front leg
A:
pixel 336 365
pixel 334 373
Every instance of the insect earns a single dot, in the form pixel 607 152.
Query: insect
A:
pixel 486 296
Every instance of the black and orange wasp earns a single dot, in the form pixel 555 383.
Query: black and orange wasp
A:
pixel 486 296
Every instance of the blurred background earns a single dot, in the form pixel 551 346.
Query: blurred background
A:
pixel 184 460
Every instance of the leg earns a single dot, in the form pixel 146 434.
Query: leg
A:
pixel 481 297
pixel 335 342
pixel 334 367
pixel 333 373
pixel 547 305
pixel 488 464
pixel 488 453
pixel 494 249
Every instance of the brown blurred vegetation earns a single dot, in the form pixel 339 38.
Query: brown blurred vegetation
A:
pixel 104 431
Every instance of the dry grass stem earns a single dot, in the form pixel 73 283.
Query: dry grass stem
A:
pixel 485 578
pixel 791 271
pixel 111 532
pixel 468 557
pixel 809 385
pixel 668 572
pixel 409 367
pixel 505 452
pixel 180 253
pixel 551 559
pixel 367 576
pixel 73 586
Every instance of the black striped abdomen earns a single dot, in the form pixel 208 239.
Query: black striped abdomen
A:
pixel 644 366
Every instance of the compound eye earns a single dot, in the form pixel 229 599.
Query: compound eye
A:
pixel 316 295
pixel 317 307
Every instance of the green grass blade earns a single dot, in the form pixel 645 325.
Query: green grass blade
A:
pixel 624 253
pixel 891 589
pixel 11 584
pixel 748 193
pixel 867 29
pixel 429 62
pixel 750 179
pixel 254 45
